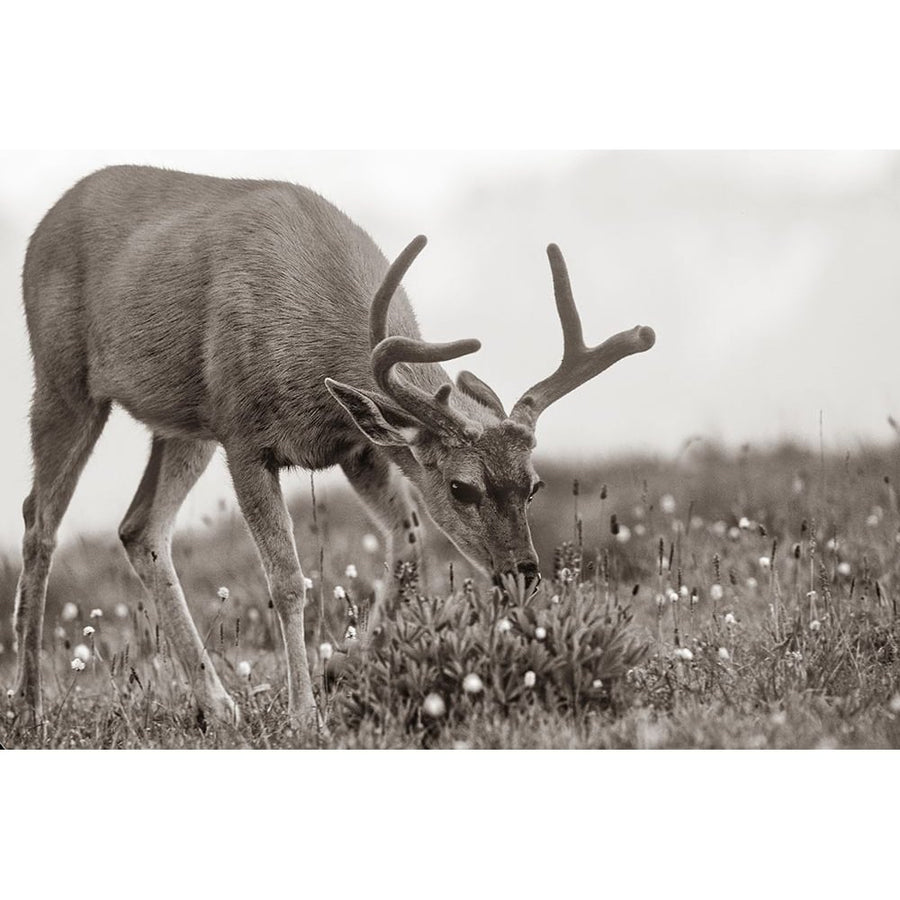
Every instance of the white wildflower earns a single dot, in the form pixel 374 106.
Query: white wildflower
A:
pixel 873 521
pixel 121 610
pixel 843 568
pixel 96 614
pixel 683 592
pixel 530 679
pixel 434 706
pixel 326 651
pixel 744 523
pixel 540 633
pixel 472 684
pixel 77 664
pixel 765 562
pixel 350 571
pixel 82 652
pixel 597 683
pixel 223 593
pixel 504 626
pixel 730 619
pixel 752 583
pixel 624 535
pixel 69 611
pixel 88 630
pixel 554 598
pixel 815 625
pixel 734 533
pixel 724 655
pixel 672 596
pixel 307 583
pixel 370 543
pixel 667 504
pixel 716 592
pixel 340 593
pixel 684 654
pixel 244 669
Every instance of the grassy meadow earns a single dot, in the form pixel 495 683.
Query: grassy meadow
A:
pixel 717 600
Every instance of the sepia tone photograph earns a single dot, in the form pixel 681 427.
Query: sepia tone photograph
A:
pixel 450 450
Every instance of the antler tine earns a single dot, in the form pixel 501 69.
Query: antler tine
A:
pixel 381 303
pixel 432 409
pixel 579 363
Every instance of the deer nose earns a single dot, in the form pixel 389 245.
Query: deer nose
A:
pixel 528 568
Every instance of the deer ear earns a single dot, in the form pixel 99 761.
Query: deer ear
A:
pixel 376 417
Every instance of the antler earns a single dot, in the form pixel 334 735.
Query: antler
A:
pixel 579 363
pixel 433 410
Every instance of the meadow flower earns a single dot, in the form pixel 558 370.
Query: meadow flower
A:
pixel 597 683
pixel 472 684
pixel 121 610
pixel 69 612
pixel 96 613
pixel 82 652
pixel 350 633
pixel 624 535
pixel 843 568
pixel 223 593
pixel 667 504
pixel 340 593
pixel 244 669
pixel 765 562
pixel 370 543
pixel 326 651
pixel 308 583
pixel 744 523
pixel 540 633
pixel 434 706
pixel 350 571
pixel 684 654
pixel 815 625
pixel 88 630
pixel 716 592
pixel 724 655
pixel 683 592
pixel 530 679
pixel 831 544
pixel 77 664
pixel 504 625
pixel 672 596
pixel 730 619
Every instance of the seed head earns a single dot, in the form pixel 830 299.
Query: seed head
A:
pixel 472 684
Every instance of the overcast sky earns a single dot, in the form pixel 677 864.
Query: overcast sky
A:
pixel 771 280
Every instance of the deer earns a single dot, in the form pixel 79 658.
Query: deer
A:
pixel 256 317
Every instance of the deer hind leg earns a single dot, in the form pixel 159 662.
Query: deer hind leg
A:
pixel 146 533
pixel 262 504
pixel 62 437
pixel 389 498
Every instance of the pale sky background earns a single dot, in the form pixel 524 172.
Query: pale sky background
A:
pixel 772 280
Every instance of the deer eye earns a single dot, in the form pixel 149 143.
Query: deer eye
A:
pixel 465 493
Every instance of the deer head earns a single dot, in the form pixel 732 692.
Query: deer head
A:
pixel 470 461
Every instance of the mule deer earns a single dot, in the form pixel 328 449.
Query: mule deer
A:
pixel 235 313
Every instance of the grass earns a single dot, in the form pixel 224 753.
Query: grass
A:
pixel 717 600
